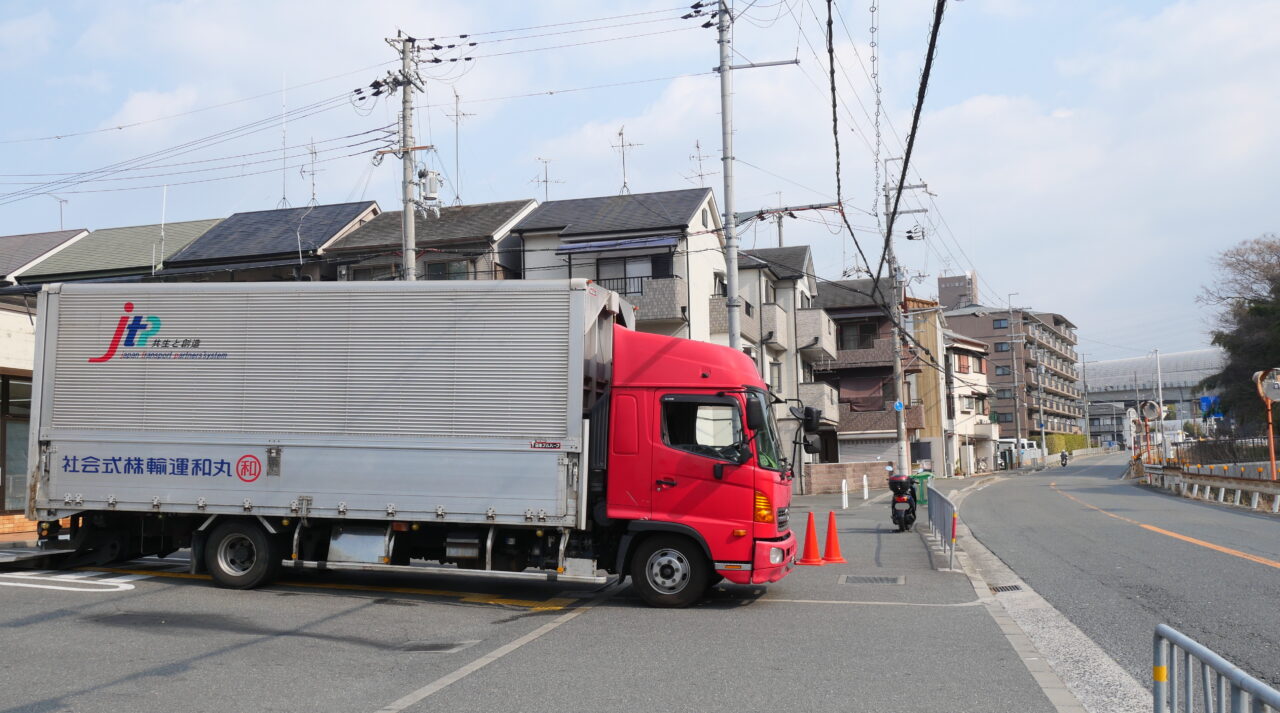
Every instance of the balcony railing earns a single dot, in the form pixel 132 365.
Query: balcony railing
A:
pixel 624 285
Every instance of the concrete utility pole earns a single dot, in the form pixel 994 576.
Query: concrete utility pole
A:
pixel 1013 367
pixel 724 22
pixel 899 380
pixel 408 241
pixel 1040 370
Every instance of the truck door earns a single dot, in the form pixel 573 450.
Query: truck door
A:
pixel 695 433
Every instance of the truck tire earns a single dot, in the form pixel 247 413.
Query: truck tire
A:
pixel 669 571
pixel 240 555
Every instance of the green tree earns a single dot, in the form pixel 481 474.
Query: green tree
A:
pixel 1251 338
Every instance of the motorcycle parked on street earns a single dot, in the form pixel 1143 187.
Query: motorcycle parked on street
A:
pixel 903 502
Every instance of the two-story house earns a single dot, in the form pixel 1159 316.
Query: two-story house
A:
pixel 459 242
pixel 862 371
pixel 795 334
pixel 663 252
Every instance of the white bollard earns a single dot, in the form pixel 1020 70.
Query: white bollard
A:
pixel 1253 501
pixel 844 494
pixel 866 492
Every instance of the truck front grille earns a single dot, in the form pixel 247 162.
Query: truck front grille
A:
pixel 783 519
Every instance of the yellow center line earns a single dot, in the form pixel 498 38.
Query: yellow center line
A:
pixel 1170 533
pixel 553 604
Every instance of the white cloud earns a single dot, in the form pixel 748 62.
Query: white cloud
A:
pixel 25 39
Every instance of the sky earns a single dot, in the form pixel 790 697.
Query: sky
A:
pixel 1086 158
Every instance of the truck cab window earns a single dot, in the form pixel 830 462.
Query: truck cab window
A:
pixel 702 428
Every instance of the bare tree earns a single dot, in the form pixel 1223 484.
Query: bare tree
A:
pixel 1245 272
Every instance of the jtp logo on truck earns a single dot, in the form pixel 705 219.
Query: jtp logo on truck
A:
pixel 135 332
pixel 138 337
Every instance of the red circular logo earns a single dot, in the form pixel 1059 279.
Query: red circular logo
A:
pixel 248 468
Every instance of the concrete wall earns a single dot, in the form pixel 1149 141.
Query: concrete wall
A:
pixel 826 477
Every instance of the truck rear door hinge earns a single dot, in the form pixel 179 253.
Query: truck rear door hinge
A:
pixel 440 511
pixel 491 514
pixel 248 505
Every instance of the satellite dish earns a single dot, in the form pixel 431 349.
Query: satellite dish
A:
pixel 1150 410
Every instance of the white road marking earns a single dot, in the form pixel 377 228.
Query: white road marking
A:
pixel 444 681
pixel 40 581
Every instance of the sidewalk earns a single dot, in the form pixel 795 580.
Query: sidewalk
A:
pixel 951 647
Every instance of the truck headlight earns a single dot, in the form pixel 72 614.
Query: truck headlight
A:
pixel 775 555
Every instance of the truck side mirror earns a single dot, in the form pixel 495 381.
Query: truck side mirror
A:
pixel 755 418
pixel 810 447
pixel 812 419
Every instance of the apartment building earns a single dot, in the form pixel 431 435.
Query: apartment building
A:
pixel 1035 368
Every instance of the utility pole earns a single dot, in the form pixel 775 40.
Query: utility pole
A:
pixel 1040 371
pixel 1015 340
pixel 899 380
pixel 724 20
pixel 407 80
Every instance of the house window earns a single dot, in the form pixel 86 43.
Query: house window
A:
pixel 1004 393
pixel 376 272
pixel 858 335
pixel 775 377
pixel 706 218
pixel 452 270
pixel 15 410
pixel 748 308
pixel 962 363
pixel 1002 346
pixel 999 324
pixel 1002 417
pixel 806 301
pixel 770 293
pixel 721 287
pixel 1003 371
pixel 979 365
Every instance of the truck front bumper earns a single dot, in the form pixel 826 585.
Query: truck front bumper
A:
pixel 771 560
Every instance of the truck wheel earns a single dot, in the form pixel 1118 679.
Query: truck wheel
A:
pixel 240 555
pixel 669 571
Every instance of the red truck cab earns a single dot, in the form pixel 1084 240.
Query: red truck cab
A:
pixel 696 469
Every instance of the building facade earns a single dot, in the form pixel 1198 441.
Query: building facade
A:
pixel 971 435
pixel 1034 368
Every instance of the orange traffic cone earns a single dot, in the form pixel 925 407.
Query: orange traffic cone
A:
pixel 811 556
pixel 832 555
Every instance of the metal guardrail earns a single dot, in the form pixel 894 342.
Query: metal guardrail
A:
pixel 944 518
pixel 1224 688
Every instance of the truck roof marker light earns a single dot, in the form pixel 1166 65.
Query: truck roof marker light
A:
pixel 763 508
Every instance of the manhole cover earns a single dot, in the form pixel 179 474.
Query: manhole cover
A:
pixel 870 579
pixel 437 647
pixel 1007 588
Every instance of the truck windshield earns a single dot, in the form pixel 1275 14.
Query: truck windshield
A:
pixel 768 445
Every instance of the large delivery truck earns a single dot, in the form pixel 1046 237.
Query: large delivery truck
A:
pixel 488 428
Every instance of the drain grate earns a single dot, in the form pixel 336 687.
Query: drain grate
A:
pixel 871 579
pixel 1007 588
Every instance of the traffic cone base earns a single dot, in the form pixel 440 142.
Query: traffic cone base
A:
pixel 832 554
pixel 811 556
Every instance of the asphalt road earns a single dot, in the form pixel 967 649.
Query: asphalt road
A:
pixel 1113 557
pixel 145 637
